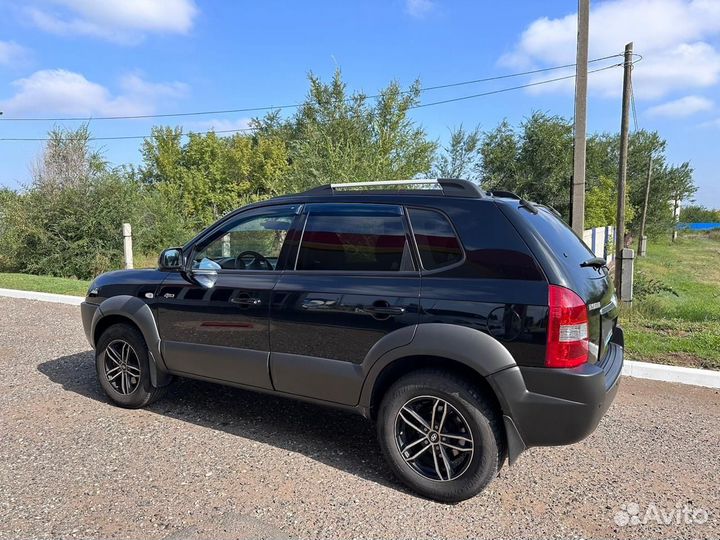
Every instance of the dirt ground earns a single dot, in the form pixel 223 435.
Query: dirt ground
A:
pixel 215 462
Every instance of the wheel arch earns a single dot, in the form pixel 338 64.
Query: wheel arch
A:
pixel 407 364
pixel 131 310
pixel 465 350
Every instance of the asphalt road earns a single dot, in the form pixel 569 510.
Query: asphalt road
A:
pixel 214 462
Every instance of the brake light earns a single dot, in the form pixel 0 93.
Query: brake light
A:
pixel 567 329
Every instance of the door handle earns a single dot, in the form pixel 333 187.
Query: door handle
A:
pixel 246 301
pixel 384 310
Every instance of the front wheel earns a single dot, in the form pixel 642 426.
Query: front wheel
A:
pixel 440 435
pixel 121 362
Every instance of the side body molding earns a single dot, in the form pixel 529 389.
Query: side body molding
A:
pixel 140 313
pixel 473 348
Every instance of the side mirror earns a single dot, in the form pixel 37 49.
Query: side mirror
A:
pixel 171 259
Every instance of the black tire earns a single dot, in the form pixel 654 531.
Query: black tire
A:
pixel 136 391
pixel 465 405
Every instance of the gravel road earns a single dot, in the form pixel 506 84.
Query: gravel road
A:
pixel 214 462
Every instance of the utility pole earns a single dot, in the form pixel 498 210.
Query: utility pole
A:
pixel 642 241
pixel 577 195
pixel 622 174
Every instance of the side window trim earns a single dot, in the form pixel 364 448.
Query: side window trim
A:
pixel 306 211
pixel 235 220
pixel 424 271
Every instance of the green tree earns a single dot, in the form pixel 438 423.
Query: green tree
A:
pixel 695 213
pixel 336 136
pixel 211 175
pixel 461 157
pixel 535 162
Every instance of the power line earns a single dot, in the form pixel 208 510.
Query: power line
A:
pixel 634 110
pixel 519 87
pixel 293 105
pixel 422 105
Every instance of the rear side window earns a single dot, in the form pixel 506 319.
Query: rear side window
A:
pixel 366 238
pixel 436 240
pixel 560 238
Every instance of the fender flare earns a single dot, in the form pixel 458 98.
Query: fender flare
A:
pixel 473 348
pixel 141 315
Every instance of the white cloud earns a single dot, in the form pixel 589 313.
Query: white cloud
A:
pixel 418 8
pixel 680 108
pixel 714 123
pixel 11 53
pixel 672 35
pixel 121 21
pixel 62 92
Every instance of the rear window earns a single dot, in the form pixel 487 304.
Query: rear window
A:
pixel 560 237
pixel 436 240
pixel 354 238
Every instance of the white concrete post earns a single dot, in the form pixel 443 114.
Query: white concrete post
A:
pixel 628 263
pixel 226 245
pixel 127 245
pixel 642 251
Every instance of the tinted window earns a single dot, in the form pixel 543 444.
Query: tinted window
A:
pixel 354 238
pixel 560 237
pixel 435 238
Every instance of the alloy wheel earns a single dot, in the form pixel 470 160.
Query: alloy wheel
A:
pixel 434 438
pixel 122 367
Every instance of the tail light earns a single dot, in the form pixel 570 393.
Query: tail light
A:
pixel 567 338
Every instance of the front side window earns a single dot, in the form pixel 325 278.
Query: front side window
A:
pixel 355 238
pixel 435 238
pixel 252 243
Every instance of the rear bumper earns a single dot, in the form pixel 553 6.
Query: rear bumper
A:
pixel 548 407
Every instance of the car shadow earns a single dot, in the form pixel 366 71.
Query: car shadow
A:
pixel 337 438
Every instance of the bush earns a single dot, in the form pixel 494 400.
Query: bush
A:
pixel 644 286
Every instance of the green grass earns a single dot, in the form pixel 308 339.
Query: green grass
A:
pixel 49 284
pixel 681 328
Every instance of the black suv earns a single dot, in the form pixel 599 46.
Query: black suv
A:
pixel 469 325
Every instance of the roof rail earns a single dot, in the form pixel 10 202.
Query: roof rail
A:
pixel 451 187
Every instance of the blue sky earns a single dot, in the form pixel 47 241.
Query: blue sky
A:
pixel 62 58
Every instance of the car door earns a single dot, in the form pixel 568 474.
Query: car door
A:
pixel 213 317
pixel 353 281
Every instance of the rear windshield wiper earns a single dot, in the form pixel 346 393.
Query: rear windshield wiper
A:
pixel 594 262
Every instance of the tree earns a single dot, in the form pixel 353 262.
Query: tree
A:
pixel 461 157
pixel 211 175
pixel 535 162
pixel 699 214
pixel 337 136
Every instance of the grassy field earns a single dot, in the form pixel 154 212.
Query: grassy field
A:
pixel 680 326
pixel 26 282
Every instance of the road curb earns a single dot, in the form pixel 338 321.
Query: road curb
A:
pixel 677 374
pixel 631 368
pixel 45 297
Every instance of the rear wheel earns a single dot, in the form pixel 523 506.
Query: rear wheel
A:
pixel 122 366
pixel 440 435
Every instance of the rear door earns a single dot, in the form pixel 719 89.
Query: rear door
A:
pixel 353 281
